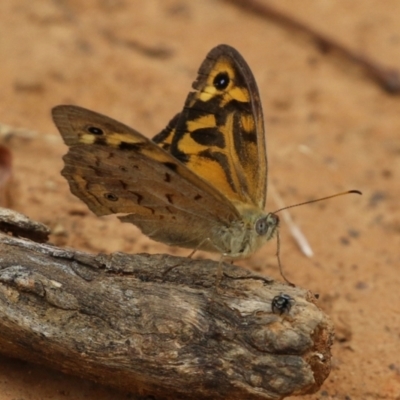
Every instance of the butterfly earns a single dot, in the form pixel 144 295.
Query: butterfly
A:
pixel 201 183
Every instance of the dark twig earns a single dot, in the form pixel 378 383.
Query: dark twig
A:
pixel 387 78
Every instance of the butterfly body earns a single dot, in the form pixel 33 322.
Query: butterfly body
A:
pixel 200 183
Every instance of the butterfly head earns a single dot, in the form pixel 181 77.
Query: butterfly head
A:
pixel 261 229
pixel 254 229
pixel 266 226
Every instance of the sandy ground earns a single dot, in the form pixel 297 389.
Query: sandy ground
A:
pixel 329 129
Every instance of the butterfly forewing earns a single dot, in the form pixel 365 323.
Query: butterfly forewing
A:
pixel 220 132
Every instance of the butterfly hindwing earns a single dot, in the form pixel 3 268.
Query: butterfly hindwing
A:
pixel 116 170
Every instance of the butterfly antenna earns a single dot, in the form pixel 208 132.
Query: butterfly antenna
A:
pixel 322 198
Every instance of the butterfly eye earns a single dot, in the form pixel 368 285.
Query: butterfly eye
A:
pixel 264 224
pixel 221 81
pixel 95 131
pixel 111 197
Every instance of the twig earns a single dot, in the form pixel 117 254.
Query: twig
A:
pixel 7 131
pixel 388 78
pixel 297 234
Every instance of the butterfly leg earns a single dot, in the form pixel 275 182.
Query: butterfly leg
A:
pixel 199 247
pixel 278 248
pixel 219 275
pixel 192 253
pixel 169 269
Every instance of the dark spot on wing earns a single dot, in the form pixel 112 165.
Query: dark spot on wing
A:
pixel 198 197
pixel 172 166
pixel 200 108
pixel 139 197
pixel 221 80
pixel 208 137
pixel 250 137
pixel 131 146
pixel 169 198
pixel 167 177
pixel 238 107
pixel 111 196
pixel 94 130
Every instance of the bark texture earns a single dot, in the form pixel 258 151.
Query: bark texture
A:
pixel 122 321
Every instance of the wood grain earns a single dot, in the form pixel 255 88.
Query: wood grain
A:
pixel 119 320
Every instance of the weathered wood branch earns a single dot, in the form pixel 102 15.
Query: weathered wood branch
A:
pixel 119 320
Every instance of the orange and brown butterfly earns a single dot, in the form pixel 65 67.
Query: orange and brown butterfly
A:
pixel 201 183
